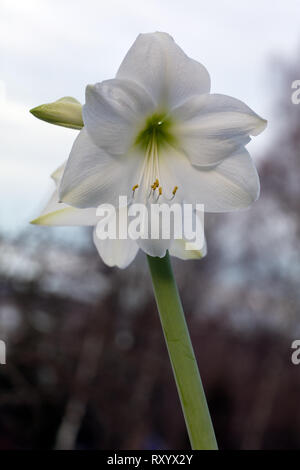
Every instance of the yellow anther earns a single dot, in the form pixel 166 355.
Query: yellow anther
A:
pixel 174 190
pixel 160 190
pixel 135 187
pixel 155 184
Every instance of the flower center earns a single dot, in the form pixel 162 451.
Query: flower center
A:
pixel 158 127
pixel 156 132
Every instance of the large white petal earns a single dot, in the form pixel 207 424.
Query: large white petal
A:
pixel 229 186
pixel 92 177
pixel 164 70
pixel 118 253
pixel 209 128
pixel 59 214
pixel 114 113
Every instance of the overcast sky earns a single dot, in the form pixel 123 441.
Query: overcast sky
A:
pixel 54 48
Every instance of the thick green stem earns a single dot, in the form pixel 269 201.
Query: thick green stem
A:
pixel 184 364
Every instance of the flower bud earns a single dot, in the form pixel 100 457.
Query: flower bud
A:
pixel 66 112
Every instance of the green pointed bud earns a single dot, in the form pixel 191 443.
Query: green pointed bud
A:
pixel 66 112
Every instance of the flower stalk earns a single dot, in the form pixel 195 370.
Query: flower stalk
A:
pixel 182 357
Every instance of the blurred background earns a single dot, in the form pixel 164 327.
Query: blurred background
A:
pixel 87 367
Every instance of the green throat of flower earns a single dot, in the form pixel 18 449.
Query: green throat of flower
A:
pixel 157 129
pixel 156 133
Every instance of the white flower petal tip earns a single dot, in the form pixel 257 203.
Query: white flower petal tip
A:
pixel 57 174
pixel 47 220
pixel 116 253
pixel 65 112
pixel 59 214
pixel 35 221
pixel 66 216
pixel 178 250
pixel 262 125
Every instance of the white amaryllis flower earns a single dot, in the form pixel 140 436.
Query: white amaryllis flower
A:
pixel 155 133
pixel 116 252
